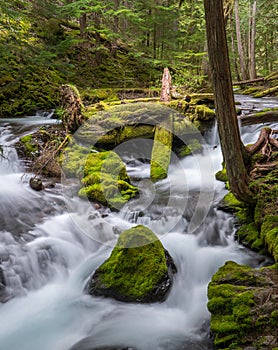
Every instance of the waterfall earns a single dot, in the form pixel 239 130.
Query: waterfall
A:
pixel 49 249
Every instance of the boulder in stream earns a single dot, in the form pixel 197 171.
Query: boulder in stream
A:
pixel 139 269
pixel 103 175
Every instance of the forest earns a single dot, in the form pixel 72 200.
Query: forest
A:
pixel 122 44
pixel 138 171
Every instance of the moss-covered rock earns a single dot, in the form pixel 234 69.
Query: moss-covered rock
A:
pixel 241 316
pixel 103 175
pixel 230 204
pixel 29 144
pixel 161 153
pixel 221 175
pixel 269 234
pixel 138 269
pixel 2 285
pixel 192 147
pixel 204 113
pixel 249 236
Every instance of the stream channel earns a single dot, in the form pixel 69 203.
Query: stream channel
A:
pixel 48 251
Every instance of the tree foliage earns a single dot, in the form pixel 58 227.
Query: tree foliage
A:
pixel 121 43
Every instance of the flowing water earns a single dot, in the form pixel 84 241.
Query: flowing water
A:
pixel 48 250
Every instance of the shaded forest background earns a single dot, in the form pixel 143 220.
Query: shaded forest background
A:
pixel 123 44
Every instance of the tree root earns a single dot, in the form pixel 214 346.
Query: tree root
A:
pixel 266 145
pixel 264 142
pixel 259 169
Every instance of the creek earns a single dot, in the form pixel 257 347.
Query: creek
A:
pixel 49 248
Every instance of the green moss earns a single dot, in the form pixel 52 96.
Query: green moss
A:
pixel 29 144
pixel 221 175
pixel 233 203
pixel 73 160
pixel 103 175
pixel 179 105
pixel 92 96
pixel 131 132
pixel 238 275
pixel 230 304
pixel 274 318
pixel 105 180
pixel 249 235
pixel 240 313
pixel 269 232
pixel 204 113
pixel 136 265
pixel 183 127
pixel 192 147
pixel 243 213
pixel 251 90
pixel 161 153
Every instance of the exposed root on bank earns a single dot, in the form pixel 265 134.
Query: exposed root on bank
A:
pixel 264 142
pixel 267 147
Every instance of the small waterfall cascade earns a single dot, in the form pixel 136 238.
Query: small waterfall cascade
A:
pixel 48 250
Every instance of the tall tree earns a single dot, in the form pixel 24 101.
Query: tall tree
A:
pixel 232 147
pixel 240 48
pixel 252 36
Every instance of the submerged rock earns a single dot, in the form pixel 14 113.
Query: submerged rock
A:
pixel 2 285
pixel 139 269
pixel 36 184
pixel 88 344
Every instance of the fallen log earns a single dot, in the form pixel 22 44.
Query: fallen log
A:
pixel 259 117
pixel 243 82
pixel 266 92
pixel 257 80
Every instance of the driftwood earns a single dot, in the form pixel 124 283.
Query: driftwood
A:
pixel 260 117
pixel 165 95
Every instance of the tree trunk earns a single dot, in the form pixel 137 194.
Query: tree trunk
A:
pixel 232 147
pixel 234 51
pixel 239 44
pixel 252 61
pixel 165 95
pixel 116 17
pixel 154 40
pixel 83 25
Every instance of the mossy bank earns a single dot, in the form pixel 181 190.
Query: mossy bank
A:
pixel 242 300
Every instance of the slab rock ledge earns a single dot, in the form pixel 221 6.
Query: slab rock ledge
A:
pixel 139 269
